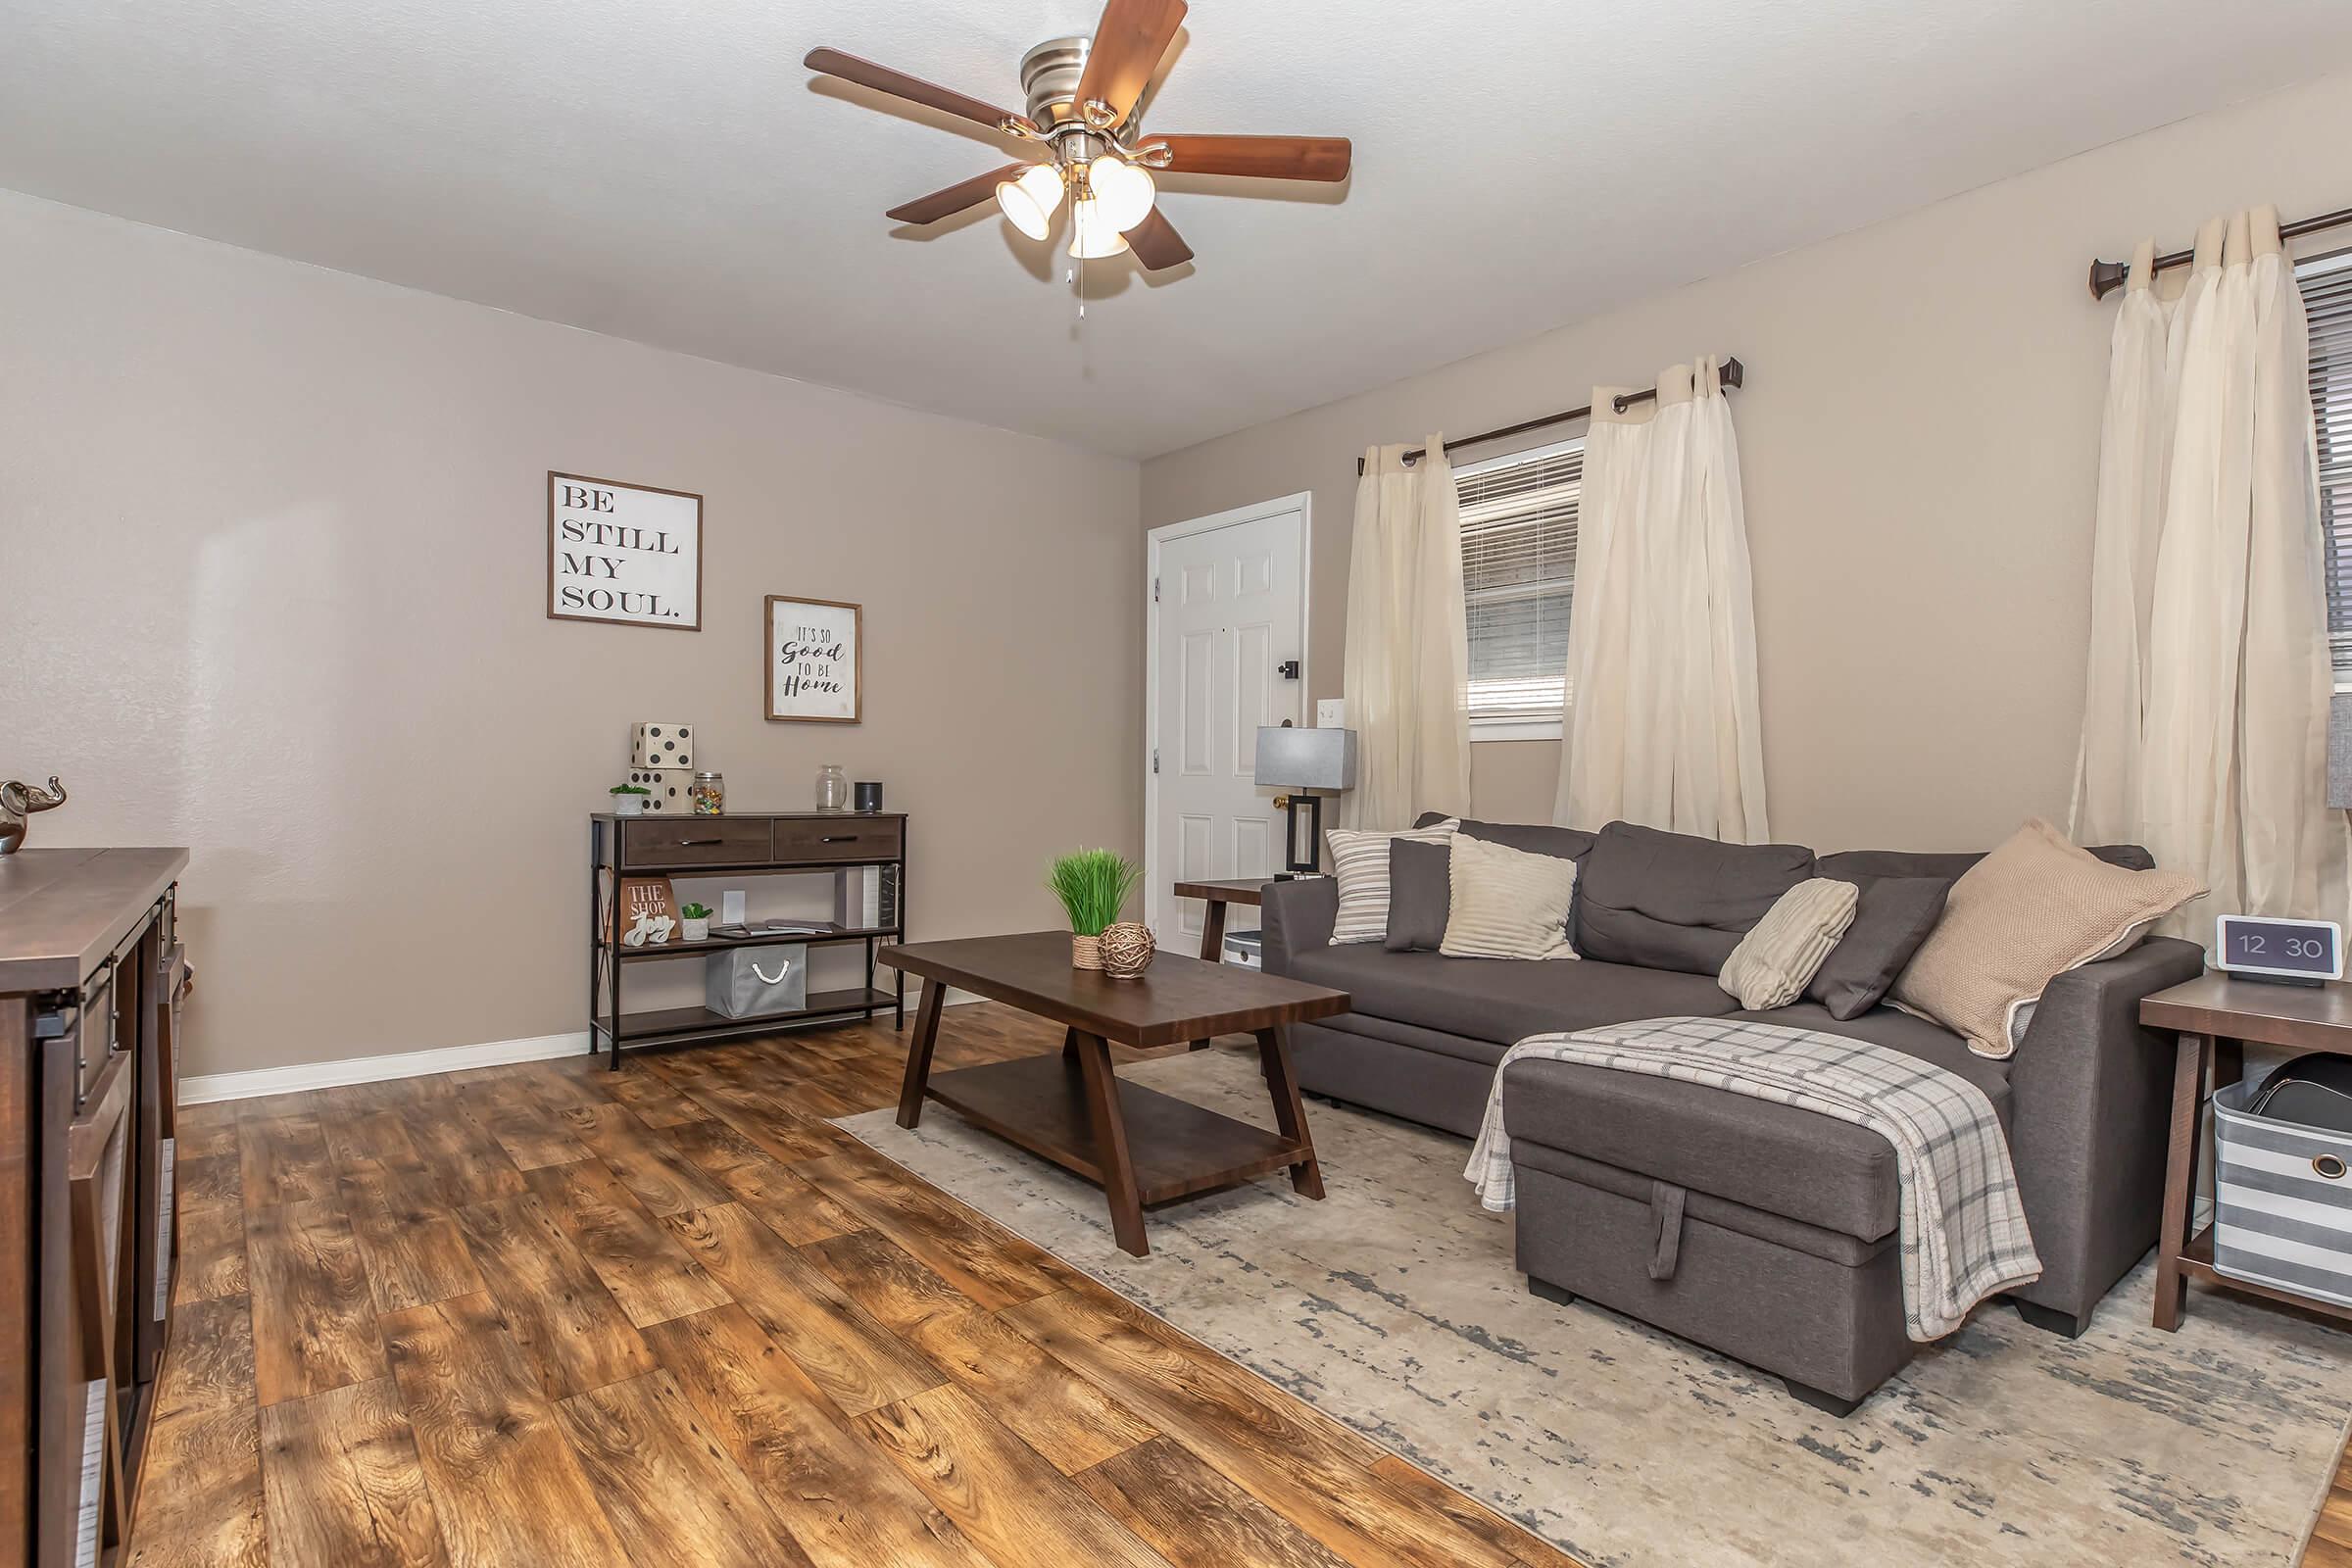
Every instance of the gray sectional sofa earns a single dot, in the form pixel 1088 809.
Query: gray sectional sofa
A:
pixel 1760 1230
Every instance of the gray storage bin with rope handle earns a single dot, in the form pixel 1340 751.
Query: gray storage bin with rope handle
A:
pixel 2282 1152
pixel 755 982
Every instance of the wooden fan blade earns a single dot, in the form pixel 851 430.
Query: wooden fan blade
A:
pixel 1128 44
pixel 1157 244
pixel 956 198
pixel 899 84
pixel 1323 157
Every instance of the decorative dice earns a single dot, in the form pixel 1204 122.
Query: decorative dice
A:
pixel 663 744
pixel 672 787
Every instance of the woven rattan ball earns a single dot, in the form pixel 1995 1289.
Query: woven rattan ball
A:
pixel 1127 950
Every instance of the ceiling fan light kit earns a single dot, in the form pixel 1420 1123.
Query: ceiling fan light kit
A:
pixel 1029 201
pixel 1081 96
pixel 1093 235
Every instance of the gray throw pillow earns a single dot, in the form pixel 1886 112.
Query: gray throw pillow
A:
pixel 1672 901
pixel 1894 917
pixel 1420 892
pixel 1431 895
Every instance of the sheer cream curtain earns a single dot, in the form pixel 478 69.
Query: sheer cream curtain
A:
pixel 1408 666
pixel 1662 725
pixel 2205 720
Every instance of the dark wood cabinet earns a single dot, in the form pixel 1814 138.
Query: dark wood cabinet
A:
pixel 91 980
pixel 750 844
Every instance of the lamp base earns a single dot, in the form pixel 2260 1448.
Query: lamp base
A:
pixel 1313 864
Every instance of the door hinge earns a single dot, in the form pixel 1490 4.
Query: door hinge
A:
pixel 1155 759
pixel 1155 590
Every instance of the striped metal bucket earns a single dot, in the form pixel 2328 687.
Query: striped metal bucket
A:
pixel 2283 1211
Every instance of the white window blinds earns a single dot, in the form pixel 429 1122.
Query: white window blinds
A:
pixel 1519 577
pixel 2327 297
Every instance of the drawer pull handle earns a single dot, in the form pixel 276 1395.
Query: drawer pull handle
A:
pixel 699 844
pixel 2330 1167
pixel 839 838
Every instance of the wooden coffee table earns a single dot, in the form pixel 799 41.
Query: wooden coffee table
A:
pixel 1140 1146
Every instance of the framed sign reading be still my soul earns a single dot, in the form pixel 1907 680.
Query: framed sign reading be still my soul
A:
pixel 623 553
pixel 815 665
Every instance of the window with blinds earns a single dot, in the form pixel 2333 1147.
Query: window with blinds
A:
pixel 1519 577
pixel 2327 297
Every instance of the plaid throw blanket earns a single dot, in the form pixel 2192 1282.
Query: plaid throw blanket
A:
pixel 1962 1227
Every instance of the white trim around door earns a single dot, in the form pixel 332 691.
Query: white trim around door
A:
pixel 1302 503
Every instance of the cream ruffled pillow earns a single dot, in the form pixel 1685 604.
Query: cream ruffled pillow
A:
pixel 2022 915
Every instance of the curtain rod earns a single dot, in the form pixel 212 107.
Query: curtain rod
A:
pixel 2108 276
pixel 1732 372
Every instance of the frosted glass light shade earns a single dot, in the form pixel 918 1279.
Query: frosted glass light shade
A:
pixel 1030 200
pixel 1122 192
pixel 1092 236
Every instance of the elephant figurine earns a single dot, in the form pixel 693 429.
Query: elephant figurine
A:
pixel 17 802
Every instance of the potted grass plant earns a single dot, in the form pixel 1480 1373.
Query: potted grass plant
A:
pixel 1093 885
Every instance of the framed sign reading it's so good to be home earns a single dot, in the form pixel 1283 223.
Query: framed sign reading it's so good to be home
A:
pixel 623 553
pixel 815 664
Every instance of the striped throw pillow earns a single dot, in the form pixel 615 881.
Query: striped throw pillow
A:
pixel 1779 956
pixel 1359 858
pixel 1506 902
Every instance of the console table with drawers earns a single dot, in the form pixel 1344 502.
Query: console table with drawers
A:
pixel 92 979
pixel 735 844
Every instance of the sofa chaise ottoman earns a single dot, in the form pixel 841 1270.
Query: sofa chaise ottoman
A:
pixel 1761 1229
pixel 1789 1217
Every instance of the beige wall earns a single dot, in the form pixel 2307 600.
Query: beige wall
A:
pixel 273 547
pixel 1919 441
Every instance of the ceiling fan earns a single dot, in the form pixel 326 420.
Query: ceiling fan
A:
pixel 1082 96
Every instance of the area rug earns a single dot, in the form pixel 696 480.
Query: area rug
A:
pixel 1392 1307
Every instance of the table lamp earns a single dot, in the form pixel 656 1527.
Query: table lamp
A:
pixel 1310 763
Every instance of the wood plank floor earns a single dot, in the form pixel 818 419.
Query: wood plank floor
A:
pixel 551 1315
pixel 547 1314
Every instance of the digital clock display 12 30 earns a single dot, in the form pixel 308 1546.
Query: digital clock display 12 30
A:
pixel 2260 949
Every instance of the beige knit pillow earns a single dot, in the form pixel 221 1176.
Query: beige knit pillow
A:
pixel 1360 860
pixel 2020 917
pixel 1506 902
pixel 1779 956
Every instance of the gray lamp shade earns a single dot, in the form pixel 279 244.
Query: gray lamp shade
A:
pixel 1293 759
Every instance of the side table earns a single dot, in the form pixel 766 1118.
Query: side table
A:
pixel 1216 894
pixel 2214 1016
pixel 1248 891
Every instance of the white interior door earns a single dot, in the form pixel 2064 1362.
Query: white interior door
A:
pixel 1227 618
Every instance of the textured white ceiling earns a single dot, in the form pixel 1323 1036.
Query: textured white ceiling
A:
pixel 666 169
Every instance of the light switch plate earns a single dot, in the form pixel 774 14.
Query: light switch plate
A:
pixel 1330 713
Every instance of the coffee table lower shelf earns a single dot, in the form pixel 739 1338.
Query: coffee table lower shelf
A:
pixel 1178 1149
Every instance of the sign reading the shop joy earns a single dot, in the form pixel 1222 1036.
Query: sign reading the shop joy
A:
pixel 623 551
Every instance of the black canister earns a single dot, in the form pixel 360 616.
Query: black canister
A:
pixel 867 796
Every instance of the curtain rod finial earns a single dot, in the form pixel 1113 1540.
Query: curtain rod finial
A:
pixel 2106 278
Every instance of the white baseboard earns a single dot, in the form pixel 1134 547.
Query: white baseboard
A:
pixel 208 1087
pixel 204 1089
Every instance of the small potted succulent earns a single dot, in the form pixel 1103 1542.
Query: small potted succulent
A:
pixel 696 919
pixel 1093 885
pixel 628 800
